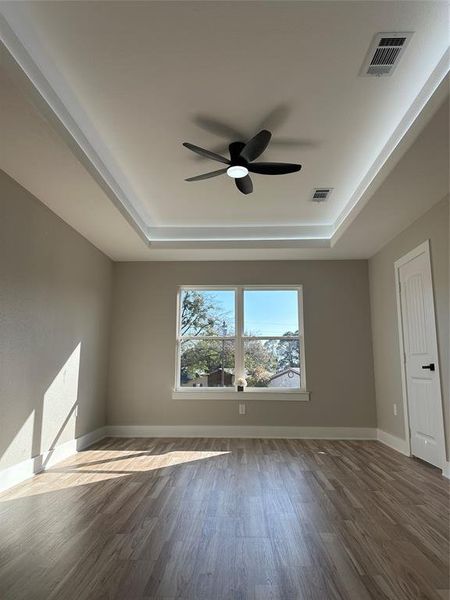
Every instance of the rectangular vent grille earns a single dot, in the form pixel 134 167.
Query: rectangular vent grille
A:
pixel 392 41
pixel 321 194
pixel 384 53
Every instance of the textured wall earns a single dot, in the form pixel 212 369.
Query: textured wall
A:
pixel 434 225
pixel 339 362
pixel 55 290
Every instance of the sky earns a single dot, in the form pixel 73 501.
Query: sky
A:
pixel 266 312
pixel 270 312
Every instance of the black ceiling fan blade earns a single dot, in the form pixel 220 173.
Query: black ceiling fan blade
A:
pixel 222 149
pixel 244 184
pixel 269 168
pixel 207 175
pixel 256 146
pixel 206 153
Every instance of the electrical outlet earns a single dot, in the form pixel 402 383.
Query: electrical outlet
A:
pixel 395 410
pixel 242 409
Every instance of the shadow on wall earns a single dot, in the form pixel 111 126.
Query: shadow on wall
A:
pixel 52 421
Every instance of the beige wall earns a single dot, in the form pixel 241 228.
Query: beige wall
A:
pixel 337 337
pixel 55 292
pixel 434 225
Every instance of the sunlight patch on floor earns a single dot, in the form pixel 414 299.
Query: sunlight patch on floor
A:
pixel 93 467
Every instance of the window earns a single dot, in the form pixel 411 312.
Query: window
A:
pixel 251 332
pixel 206 340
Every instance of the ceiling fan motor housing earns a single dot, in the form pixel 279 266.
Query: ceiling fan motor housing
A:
pixel 235 154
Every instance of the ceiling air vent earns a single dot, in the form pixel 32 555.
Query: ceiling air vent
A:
pixel 384 53
pixel 321 194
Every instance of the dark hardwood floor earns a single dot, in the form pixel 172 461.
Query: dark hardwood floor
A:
pixel 135 519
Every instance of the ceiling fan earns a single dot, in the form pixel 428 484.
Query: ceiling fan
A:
pixel 241 162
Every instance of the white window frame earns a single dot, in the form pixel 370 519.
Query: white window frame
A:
pixel 231 393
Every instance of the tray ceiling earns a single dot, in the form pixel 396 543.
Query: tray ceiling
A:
pixel 125 83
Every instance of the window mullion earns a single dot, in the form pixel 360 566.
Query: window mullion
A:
pixel 239 350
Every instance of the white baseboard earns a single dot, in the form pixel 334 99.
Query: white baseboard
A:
pixel 393 441
pixel 401 445
pixel 27 468
pixel 24 470
pixel 242 431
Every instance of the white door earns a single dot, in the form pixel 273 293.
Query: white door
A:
pixel 423 386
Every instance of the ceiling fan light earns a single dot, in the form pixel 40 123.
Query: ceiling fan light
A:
pixel 237 171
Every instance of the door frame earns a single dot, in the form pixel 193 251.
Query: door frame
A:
pixel 423 248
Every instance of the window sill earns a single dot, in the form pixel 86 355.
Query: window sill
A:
pixel 264 395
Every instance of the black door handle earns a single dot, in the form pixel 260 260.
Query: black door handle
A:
pixel 430 366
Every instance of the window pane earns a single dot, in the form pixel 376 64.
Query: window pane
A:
pixel 207 363
pixel 272 363
pixel 207 312
pixel 270 312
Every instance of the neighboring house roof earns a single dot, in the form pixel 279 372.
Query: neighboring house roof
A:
pixel 200 374
pixel 288 370
pixel 219 370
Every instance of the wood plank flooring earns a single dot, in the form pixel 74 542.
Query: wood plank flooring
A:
pixel 228 519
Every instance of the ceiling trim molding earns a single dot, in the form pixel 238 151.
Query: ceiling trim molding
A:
pixel 25 71
pixel 22 54
pixel 388 155
pixel 236 243
pixel 230 234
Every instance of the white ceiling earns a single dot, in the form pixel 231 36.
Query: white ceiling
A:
pixel 125 83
